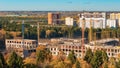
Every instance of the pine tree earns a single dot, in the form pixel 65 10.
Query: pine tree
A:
pixel 2 60
pixel 71 57
pixel 1 65
pixel 117 65
pixel 77 64
pixel 105 56
pixel 15 61
pixel 89 55
pixel 40 56
pixel 97 59
pixel 105 65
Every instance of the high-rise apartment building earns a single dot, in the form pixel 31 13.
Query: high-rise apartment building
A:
pixel 53 18
pixel 115 16
pixel 97 20
pixel 112 23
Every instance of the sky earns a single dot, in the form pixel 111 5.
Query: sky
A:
pixel 59 5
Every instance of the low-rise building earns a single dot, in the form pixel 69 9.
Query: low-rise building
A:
pixel 22 47
pixel 68 45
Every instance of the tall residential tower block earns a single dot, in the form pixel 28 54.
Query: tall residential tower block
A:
pixel 53 18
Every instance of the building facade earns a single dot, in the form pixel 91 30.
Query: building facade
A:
pixel 115 16
pixel 68 45
pixel 112 23
pixel 21 47
pixel 69 21
pixel 53 18
pixel 95 20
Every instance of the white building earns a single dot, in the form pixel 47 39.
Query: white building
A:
pixel 112 23
pixel 96 20
pixel 69 21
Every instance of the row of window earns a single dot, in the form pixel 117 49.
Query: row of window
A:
pixel 109 50
pixel 79 55
pixel 20 46
pixel 20 42
pixel 57 53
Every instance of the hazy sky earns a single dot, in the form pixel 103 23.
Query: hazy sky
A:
pixel 64 5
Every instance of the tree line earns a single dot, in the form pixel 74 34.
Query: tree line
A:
pixel 54 32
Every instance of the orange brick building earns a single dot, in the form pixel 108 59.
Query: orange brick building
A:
pixel 53 18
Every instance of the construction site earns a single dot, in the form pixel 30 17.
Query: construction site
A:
pixel 79 46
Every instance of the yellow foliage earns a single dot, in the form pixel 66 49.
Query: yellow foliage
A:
pixel 30 61
pixel 40 47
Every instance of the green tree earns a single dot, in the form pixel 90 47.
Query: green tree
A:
pixel 117 65
pixel 61 56
pixel 1 65
pixel 105 65
pixel 8 35
pixel 44 55
pixel 2 60
pixel 15 61
pixel 88 56
pixel 60 64
pixel 105 56
pixel 97 59
pixel 40 56
pixel 77 64
pixel 72 57
pixel 48 55
pixel 30 66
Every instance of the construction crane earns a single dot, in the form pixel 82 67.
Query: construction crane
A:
pixel 23 33
pixel 28 21
pixel 106 35
pixel 90 31
pixel 83 32
pixel 38 31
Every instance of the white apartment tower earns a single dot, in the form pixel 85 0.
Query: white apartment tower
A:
pixel 98 20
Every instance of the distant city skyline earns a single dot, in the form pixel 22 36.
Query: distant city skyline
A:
pixel 59 5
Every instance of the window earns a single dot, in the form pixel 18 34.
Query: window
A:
pixel 79 47
pixel 79 50
pixel 80 55
pixel 108 54
pixel 51 49
pixel 108 50
pixel 112 54
pixel 112 50
pixel 54 52
pixel 55 49
pixel 115 50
